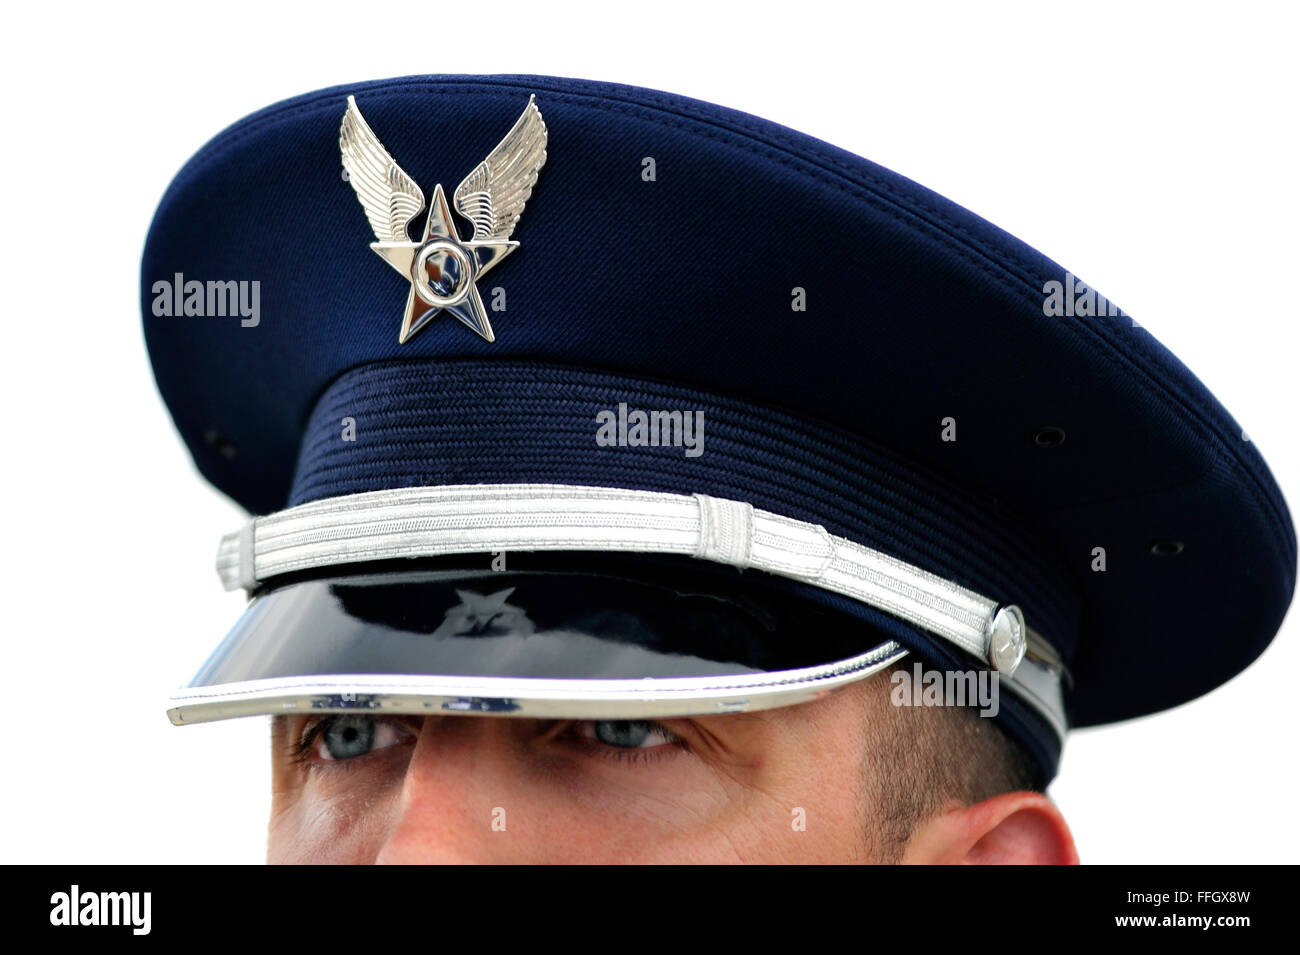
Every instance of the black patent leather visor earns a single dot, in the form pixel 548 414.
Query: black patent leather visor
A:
pixel 555 644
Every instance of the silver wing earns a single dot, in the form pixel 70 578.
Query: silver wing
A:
pixel 390 197
pixel 493 195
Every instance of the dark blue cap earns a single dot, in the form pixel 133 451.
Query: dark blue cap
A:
pixel 868 356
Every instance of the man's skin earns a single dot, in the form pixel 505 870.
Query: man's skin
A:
pixel 734 789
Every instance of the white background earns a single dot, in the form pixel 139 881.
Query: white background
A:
pixel 1150 149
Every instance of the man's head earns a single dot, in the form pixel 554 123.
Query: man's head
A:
pixel 899 459
pixel 846 778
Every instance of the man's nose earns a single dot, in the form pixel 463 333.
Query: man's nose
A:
pixel 464 778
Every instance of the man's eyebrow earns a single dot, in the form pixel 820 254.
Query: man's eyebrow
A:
pixel 282 732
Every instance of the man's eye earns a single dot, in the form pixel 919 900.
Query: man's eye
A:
pixel 627 734
pixel 347 737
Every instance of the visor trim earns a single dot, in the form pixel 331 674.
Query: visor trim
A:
pixel 528 696
pixel 1036 684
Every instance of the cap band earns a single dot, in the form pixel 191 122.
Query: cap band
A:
pixel 461 519
pixel 432 424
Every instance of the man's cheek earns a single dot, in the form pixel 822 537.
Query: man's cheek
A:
pixel 776 817
pixel 683 813
pixel 335 827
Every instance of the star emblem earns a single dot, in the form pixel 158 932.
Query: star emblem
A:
pixel 443 269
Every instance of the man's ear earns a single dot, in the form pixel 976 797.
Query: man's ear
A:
pixel 1020 828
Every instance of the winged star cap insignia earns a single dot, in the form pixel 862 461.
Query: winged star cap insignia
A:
pixel 442 268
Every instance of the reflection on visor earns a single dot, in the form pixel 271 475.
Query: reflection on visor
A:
pixel 539 624
pixel 582 642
